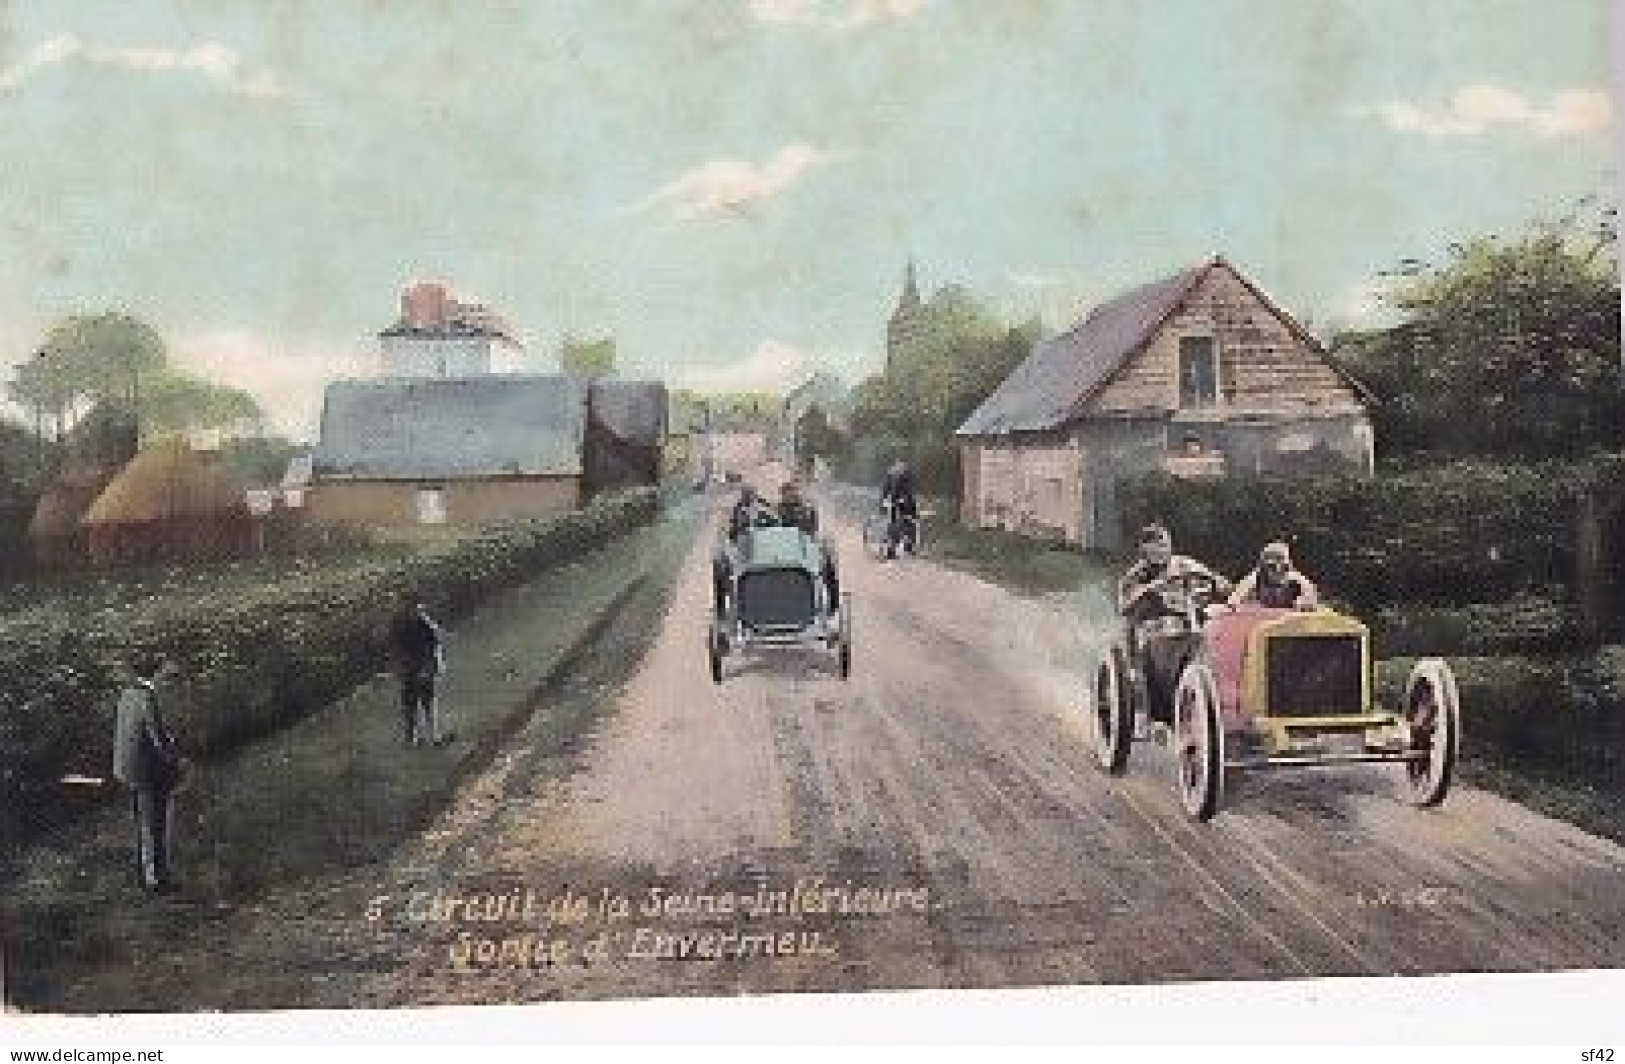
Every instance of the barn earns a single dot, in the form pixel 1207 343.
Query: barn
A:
pixel 1196 374
pixel 625 434
pixel 55 537
pixel 408 452
pixel 169 503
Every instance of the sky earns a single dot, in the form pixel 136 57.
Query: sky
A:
pixel 733 187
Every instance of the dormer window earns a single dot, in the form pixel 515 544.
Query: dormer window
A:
pixel 1198 372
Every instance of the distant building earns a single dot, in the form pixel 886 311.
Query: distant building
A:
pixel 909 320
pixel 1197 374
pixel 457 451
pixel 398 452
pixel 822 391
pixel 625 434
pixel 437 335
pixel 54 534
pixel 728 453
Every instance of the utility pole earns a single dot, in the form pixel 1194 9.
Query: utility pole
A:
pixel 39 417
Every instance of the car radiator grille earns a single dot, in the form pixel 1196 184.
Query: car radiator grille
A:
pixel 776 597
pixel 1315 676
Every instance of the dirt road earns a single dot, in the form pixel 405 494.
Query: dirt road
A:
pixel 935 822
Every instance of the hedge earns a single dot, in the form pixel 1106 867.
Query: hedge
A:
pixel 1445 536
pixel 1565 715
pixel 251 660
pixel 1529 622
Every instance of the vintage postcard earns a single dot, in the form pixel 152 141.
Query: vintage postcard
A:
pixel 516 503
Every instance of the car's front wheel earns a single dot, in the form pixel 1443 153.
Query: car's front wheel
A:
pixel 1198 741
pixel 1432 712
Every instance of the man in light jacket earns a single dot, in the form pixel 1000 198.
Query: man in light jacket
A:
pixel 147 760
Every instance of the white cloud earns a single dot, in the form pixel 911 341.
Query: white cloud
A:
pixel 1030 279
pixel 774 366
pixel 216 63
pixel 288 380
pixel 737 185
pixel 1366 305
pixel 1481 108
pixel 835 16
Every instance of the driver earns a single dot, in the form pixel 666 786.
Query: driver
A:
pixel 1275 583
pixel 1144 597
pixel 897 493
pixel 749 511
pixel 794 509
pixel 1138 597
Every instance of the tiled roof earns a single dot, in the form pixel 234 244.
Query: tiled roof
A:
pixel 421 428
pixel 1046 390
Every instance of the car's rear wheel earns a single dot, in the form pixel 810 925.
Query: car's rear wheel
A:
pixel 1198 742
pixel 1432 713
pixel 715 650
pixel 844 649
pixel 1110 711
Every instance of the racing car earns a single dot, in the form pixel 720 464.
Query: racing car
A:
pixel 780 595
pixel 1260 688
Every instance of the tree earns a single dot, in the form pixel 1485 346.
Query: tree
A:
pixel 1511 347
pixel 258 459
pixel 111 370
pixel 588 359
pixel 103 357
pixel 180 402
pixel 956 354
pixel 816 437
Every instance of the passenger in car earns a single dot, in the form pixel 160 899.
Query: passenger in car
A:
pixel 1276 583
pixel 1138 593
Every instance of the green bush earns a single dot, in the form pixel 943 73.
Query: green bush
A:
pixel 1528 622
pixel 252 659
pixel 1444 536
pixel 1564 715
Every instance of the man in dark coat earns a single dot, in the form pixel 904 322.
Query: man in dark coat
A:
pixel 148 761
pixel 419 658
pixel 899 499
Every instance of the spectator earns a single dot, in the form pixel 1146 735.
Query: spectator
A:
pixel 148 761
pixel 419 661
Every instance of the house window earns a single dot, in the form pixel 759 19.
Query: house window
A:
pixel 1198 372
pixel 431 506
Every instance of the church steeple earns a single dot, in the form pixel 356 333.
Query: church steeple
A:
pixel 906 320
pixel 910 299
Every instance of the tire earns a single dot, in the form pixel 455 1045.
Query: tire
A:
pixel 844 650
pixel 1198 742
pixel 713 646
pixel 1110 711
pixel 1432 712
pixel 874 536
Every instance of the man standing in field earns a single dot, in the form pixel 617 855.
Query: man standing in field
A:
pixel 419 659
pixel 148 761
